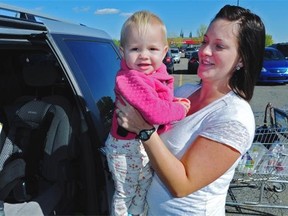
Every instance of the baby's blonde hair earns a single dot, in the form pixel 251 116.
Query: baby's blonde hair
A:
pixel 141 20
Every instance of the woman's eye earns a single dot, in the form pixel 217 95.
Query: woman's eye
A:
pixel 219 46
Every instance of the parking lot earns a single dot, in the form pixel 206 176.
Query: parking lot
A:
pixel 278 96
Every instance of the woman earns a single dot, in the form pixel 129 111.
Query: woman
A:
pixel 195 160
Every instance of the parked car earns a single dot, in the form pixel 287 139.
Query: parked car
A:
pixel 182 49
pixel 275 67
pixel 283 47
pixel 56 104
pixel 176 55
pixel 168 61
pixel 189 51
pixel 193 63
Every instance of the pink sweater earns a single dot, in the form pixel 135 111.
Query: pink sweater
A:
pixel 152 95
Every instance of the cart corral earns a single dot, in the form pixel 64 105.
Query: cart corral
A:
pixel 261 177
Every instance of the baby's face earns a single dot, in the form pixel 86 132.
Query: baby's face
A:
pixel 144 52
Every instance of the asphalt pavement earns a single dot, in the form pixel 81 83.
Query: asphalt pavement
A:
pixel 263 94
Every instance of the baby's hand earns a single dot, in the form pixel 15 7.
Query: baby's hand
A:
pixel 185 102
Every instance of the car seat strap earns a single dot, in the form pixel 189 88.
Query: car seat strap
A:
pixel 6 152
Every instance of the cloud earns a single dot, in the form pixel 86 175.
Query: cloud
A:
pixel 107 11
pixel 126 14
pixel 81 9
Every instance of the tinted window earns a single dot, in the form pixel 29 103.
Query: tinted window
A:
pixel 283 47
pixel 195 55
pixel 174 51
pixel 273 55
pixel 99 63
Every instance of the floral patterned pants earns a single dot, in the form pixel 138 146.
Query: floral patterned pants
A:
pixel 132 175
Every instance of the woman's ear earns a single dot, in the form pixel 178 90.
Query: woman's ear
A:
pixel 240 63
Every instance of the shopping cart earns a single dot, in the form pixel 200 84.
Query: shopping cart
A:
pixel 261 177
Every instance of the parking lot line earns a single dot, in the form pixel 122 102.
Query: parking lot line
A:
pixel 180 80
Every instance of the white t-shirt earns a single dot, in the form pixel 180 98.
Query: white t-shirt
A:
pixel 228 120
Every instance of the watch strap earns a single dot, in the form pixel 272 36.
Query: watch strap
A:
pixel 145 134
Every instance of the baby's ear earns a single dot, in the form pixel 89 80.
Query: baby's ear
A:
pixel 121 51
pixel 165 51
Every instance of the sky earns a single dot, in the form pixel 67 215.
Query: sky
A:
pixel 178 15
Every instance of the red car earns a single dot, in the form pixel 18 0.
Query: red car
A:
pixel 193 63
pixel 168 61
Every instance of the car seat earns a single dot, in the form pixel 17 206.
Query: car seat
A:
pixel 11 173
pixel 40 131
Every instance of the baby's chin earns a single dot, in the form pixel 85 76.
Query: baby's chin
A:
pixel 146 71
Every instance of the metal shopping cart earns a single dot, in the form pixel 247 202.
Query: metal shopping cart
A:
pixel 261 177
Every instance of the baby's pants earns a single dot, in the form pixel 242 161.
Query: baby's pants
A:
pixel 132 175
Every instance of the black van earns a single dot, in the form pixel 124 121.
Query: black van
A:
pixel 56 105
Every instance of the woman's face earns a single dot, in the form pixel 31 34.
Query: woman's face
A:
pixel 218 55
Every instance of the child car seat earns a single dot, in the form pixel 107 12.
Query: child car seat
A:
pixel 10 174
pixel 41 134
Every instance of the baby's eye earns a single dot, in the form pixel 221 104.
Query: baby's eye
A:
pixel 134 49
pixel 153 49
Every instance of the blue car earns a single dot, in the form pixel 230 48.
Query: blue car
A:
pixel 275 67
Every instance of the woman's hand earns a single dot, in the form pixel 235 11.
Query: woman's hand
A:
pixel 129 118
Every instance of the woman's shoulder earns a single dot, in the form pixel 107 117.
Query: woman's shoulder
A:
pixel 233 107
pixel 237 110
pixel 231 121
pixel 238 104
pixel 186 90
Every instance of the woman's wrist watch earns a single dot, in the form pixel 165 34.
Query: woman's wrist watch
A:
pixel 145 135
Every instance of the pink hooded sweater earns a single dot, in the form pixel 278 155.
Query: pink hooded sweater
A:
pixel 151 94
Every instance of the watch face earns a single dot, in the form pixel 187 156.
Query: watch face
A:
pixel 144 135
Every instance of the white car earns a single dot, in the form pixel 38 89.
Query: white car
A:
pixel 189 51
pixel 175 54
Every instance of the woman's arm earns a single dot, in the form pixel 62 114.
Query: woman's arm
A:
pixel 202 163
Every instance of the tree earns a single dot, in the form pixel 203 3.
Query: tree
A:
pixel 116 42
pixel 201 31
pixel 175 41
pixel 268 40
pixel 181 34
